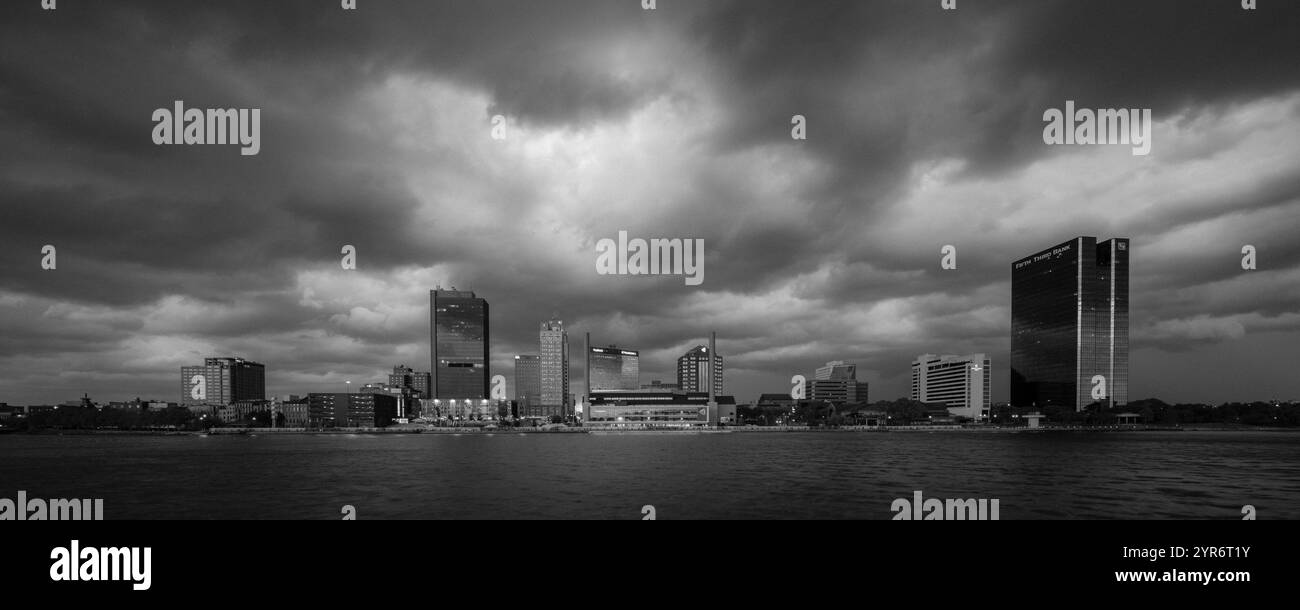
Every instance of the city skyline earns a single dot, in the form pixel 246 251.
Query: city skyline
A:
pixel 924 130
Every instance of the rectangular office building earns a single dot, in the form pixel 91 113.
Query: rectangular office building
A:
pixel 459 339
pixel 553 342
pixel 528 385
pixel 614 369
pixel 357 410
pixel 222 381
pixel 1069 325
pixel 962 383
pixel 693 372
pixel 651 409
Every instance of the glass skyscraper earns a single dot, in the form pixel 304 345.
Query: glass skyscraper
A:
pixel 614 369
pixel 1069 325
pixel 458 328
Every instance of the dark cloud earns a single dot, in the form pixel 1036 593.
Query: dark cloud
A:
pixel 924 129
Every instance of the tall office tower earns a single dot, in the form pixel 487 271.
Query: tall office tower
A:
pixel 223 381
pixel 960 382
pixel 405 377
pixel 458 328
pixel 528 384
pixel 555 368
pixel 693 371
pixel 1069 325
pixel 614 369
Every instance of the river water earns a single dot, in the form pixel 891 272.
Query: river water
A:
pixel 794 475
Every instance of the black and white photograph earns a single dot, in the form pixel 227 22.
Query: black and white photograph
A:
pixel 750 262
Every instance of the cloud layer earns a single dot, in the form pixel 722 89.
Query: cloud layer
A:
pixel 924 129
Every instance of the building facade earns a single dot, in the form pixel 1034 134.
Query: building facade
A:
pixel 613 368
pixel 653 409
pixel 837 382
pixel 352 410
pixel 962 383
pixel 420 383
pixel 838 391
pixel 693 371
pixel 554 365
pixel 1069 325
pixel 293 412
pixel 222 381
pixel 460 365
pixel 660 386
pixel 528 385
pixel 837 369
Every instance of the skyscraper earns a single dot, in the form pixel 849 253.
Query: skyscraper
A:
pixel 528 384
pixel 693 371
pixel 554 368
pixel 458 328
pixel 1069 325
pixel 613 368
pixel 223 381
pixel 960 382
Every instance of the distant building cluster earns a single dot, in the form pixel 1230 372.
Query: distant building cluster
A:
pixel 1069 348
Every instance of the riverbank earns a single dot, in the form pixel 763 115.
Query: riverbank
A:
pixel 624 430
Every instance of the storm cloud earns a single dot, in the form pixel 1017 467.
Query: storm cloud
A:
pixel 924 129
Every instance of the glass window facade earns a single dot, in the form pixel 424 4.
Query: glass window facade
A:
pixel 1069 323
pixel 648 409
pixel 227 381
pixel 459 328
pixel 528 384
pixel 614 369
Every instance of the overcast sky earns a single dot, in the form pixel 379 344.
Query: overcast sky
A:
pixel 924 128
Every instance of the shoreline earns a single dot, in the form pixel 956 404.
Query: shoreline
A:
pixel 613 431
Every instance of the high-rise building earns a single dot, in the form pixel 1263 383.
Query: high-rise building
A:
pixel 528 385
pixel 459 339
pixel 837 382
pixel 405 377
pixel 613 368
pixel 223 381
pixel 554 369
pixel 960 382
pixel 1069 325
pixel 693 371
